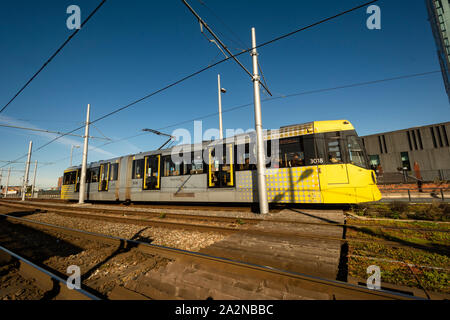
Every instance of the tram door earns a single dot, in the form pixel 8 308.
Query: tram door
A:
pixel 104 177
pixel 152 176
pixel 221 166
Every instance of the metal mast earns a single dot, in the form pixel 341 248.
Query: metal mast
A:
pixel 262 191
pixel 85 154
pixel 27 171
pixel 7 182
pixel 261 163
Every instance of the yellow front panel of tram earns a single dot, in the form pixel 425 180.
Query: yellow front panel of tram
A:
pixel 354 185
pixel 67 191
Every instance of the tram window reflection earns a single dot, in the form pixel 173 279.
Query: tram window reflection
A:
pixel 94 172
pixel 244 156
pixel 334 151
pixel 69 178
pixel 171 168
pixel 291 153
pixel 138 168
pixel 114 172
pixel 355 152
pixel 196 166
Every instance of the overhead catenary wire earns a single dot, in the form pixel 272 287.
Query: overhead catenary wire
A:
pixel 281 96
pixel 239 41
pixel 203 70
pixel 224 47
pixel 53 56
pixel 22 162
pixel 49 131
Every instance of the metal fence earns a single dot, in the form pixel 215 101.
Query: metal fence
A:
pixel 50 194
pixel 409 177
pixel 415 194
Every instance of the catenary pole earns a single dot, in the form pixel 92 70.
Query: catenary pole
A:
pixel 219 92
pixel 7 182
pixel 85 154
pixel 27 171
pixel 34 179
pixel 262 191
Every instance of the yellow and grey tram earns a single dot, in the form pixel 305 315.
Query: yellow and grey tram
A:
pixel 317 162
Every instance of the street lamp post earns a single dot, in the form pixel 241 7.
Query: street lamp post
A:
pixel 219 92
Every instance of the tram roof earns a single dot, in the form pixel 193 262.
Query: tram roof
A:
pixel 282 132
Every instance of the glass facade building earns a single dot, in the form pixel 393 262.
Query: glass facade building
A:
pixel 439 17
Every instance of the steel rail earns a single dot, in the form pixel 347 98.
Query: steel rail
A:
pixel 334 288
pixel 244 220
pixel 228 230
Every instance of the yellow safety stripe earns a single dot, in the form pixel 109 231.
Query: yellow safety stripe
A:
pixel 145 173
pixel 159 171
pixel 100 178
pixel 210 171
pixel 231 183
pixel 107 177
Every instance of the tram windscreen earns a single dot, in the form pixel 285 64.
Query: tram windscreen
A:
pixel 356 152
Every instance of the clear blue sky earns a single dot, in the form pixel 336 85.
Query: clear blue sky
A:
pixel 131 48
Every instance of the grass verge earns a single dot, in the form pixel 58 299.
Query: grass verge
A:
pixel 423 261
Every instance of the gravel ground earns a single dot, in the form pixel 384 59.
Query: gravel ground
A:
pixel 14 287
pixel 182 239
pixel 102 266
pixel 195 210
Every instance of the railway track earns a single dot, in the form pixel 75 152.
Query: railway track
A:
pixel 43 203
pixel 45 279
pixel 205 207
pixel 328 288
pixel 120 217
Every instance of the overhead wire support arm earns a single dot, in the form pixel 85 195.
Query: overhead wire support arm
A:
pixel 212 40
pixel 161 134
pixel 203 23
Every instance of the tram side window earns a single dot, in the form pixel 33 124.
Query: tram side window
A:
pixel 114 172
pixel 171 168
pixel 94 173
pixel 355 152
pixel 138 169
pixel 245 160
pixel 66 178
pixel 69 178
pixel 292 153
pixel 334 154
pixel 196 166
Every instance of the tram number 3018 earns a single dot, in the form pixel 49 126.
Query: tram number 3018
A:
pixel 316 161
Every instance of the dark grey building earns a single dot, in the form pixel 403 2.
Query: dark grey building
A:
pixel 427 145
pixel 439 17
